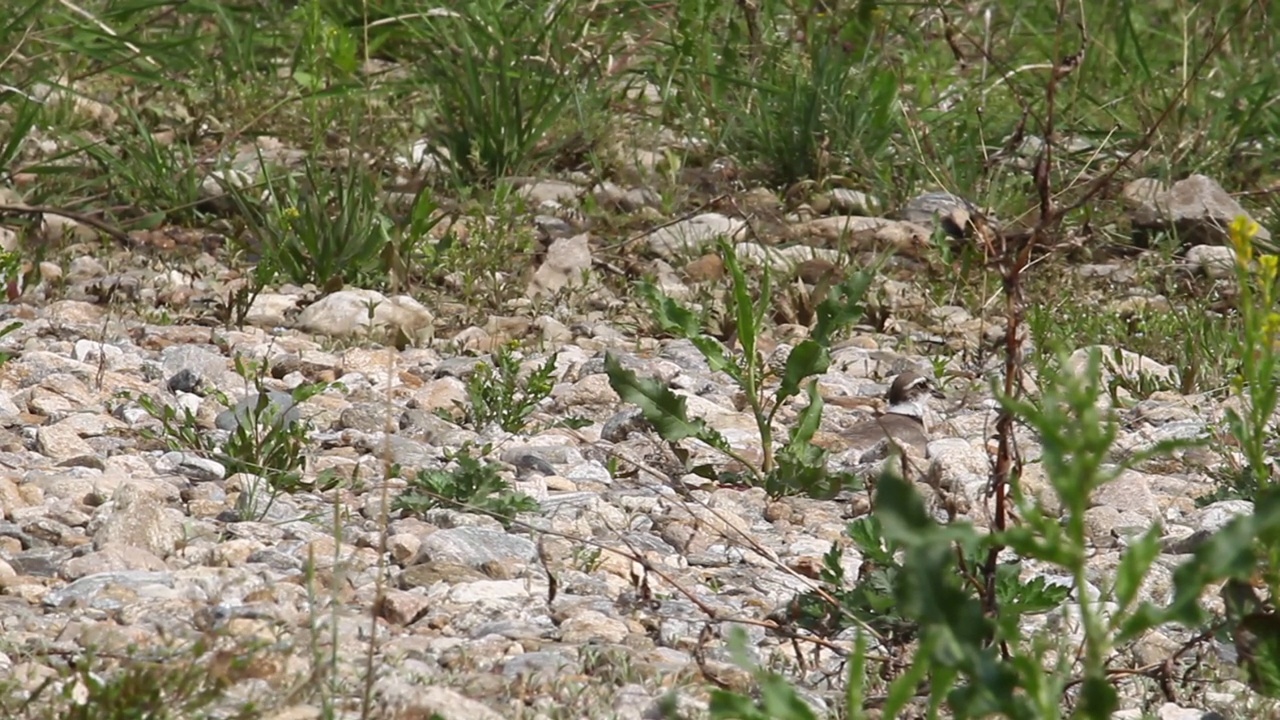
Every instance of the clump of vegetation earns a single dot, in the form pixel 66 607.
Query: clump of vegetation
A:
pixel 506 78
pixel 326 228
pixel 800 95
pixel 179 685
pixel 268 443
pixel 498 393
pixel 472 484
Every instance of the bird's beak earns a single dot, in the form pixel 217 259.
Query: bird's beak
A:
pixel 936 392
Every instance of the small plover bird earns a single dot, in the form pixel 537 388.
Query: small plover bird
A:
pixel 902 423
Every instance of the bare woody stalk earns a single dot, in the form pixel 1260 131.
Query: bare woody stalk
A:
pixel 1012 254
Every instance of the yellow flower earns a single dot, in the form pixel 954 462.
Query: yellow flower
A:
pixel 1271 325
pixel 1267 265
pixel 1242 226
pixel 290 214
pixel 1242 231
pixel 1268 268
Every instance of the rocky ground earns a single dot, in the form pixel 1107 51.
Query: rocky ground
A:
pixel 267 268
pixel 613 599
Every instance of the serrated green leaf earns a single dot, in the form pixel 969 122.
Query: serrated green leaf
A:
pixel 672 317
pixel 842 307
pixel 717 357
pixel 1027 597
pixel 796 473
pixel 866 533
pixel 664 409
pixel 832 571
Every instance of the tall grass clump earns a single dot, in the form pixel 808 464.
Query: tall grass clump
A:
pixel 790 89
pixel 510 85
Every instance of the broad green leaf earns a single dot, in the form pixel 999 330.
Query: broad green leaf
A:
pixel 306 80
pixel 781 701
pixel 1257 641
pixel 744 309
pixel 150 221
pixel 1098 699
pixel 1229 553
pixel 810 418
pixel 805 360
pixel 899 509
pixel 1134 564
pixel 992 689
pixel 726 705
